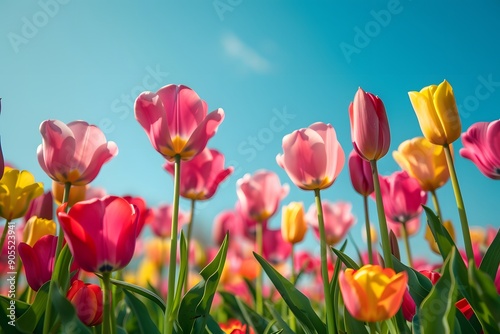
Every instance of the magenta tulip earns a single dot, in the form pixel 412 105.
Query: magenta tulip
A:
pixel 101 233
pixel 227 221
pixel 360 172
pixel 412 226
pixel 312 157
pixel 338 220
pixel 42 207
pixel 482 146
pixel 369 126
pixel 275 249
pixel 161 221
pixel 74 152
pixel 176 121
pixel 145 214
pixel 260 194
pixel 201 175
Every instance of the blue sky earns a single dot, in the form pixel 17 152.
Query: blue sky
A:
pixel 273 66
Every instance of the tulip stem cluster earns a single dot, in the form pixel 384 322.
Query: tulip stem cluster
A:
pixel 384 234
pixel 368 230
pixel 330 317
pixel 460 205
pixel 169 317
pixel 259 306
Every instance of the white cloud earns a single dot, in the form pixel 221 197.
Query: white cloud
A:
pixel 237 49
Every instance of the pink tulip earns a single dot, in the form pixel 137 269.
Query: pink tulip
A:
pixel 176 121
pixel 101 233
pixel 42 207
pixel 227 221
pixel 305 261
pixel 312 157
pixel 361 174
pixel 338 220
pixel 74 152
pixel 275 249
pixel 369 126
pixel 145 214
pixel 412 226
pixel 259 194
pixel 161 221
pixel 482 146
pixel 402 196
pixel 409 307
pixel 201 175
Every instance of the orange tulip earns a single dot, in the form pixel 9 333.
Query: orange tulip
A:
pixel 372 293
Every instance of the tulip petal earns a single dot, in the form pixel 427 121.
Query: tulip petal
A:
pixel 205 130
pixel 58 144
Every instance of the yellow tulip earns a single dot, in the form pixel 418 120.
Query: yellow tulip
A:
pixel 17 189
pixel 76 193
pixel 430 237
pixel 293 223
pixel 36 228
pixel 372 293
pixel 437 113
pixel 423 161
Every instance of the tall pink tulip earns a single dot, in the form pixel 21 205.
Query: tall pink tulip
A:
pixel 176 121
pixel 338 220
pixel 73 153
pixel 369 126
pixel 360 172
pixel 161 221
pixel 275 249
pixel 259 194
pixel 227 221
pixel 312 157
pixel 101 233
pixel 201 175
pixel 482 146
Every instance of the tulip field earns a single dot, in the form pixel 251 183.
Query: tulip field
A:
pixel 77 261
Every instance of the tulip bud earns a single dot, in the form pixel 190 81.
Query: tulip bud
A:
pixel 361 174
pixel 293 223
pixel 87 300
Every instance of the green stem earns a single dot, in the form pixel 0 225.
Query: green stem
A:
pixel 108 321
pixel 330 316
pixel 4 234
pixel 404 232
pixel 53 283
pixel 188 241
pixel 29 295
pixel 259 306
pixel 169 316
pixel 368 230
pixel 436 205
pixel 293 322
pixel 460 205
pixel 373 327
pixel 384 232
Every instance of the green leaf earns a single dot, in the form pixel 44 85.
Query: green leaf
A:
pixel 437 312
pixel 352 325
pixel 195 306
pixel 8 324
pixel 279 320
pixel 485 300
pixel 244 313
pixel 213 326
pixel 350 263
pixel 67 313
pixel 62 273
pixel 491 260
pixel 29 320
pixel 334 287
pixel 296 301
pixel 420 286
pixel 182 272
pixel 146 325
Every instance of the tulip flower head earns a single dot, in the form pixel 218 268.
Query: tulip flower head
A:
pixel 312 157
pixel 482 146
pixel 42 207
pixel 176 121
pixel 437 113
pixel 36 228
pixel 338 220
pixel 201 176
pixel 101 232
pixel 360 172
pixel 423 161
pixel 275 249
pixel 372 293
pixel 74 152
pixel 293 223
pixel 88 302
pixel 234 326
pixel 161 221
pixel 369 126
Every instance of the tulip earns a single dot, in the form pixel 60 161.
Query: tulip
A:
pixel 293 223
pixel 408 307
pixel 369 126
pixel 161 221
pixel 101 233
pixel 176 121
pixel 275 249
pixel 227 221
pixel 87 300
pixel 201 175
pixel 234 326
pixel 42 207
pixel 338 220
pixel 76 193
pixel 312 157
pixel 73 153
pixel 412 227
pixel 36 228
pixel 423 161
pixel 145 214
pixel 372 293
pixel 360 172
pixel 482 146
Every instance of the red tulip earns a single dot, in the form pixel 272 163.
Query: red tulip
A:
pixel 360 172
pixel 482 146
pixel 74 152
pixel 201 175
pixel 259 194
pixel 101 233
pixel 338 220
pixel 161 221
pixel 176 121
pixel 145 214
pixel 369 126
pixel 87 300
pixel 312 157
